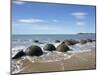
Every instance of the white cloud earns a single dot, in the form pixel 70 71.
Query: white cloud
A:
pixel 54 20
pixel 80 23
pixel 79 15
pixel 18 2
pixel 30 20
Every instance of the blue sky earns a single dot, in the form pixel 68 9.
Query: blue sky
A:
pixel 44 18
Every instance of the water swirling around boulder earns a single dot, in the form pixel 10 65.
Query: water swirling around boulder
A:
pixel 63 48
pixel 49 47
pixel 34 51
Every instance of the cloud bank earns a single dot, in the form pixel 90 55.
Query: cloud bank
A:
pixel 30 20
pixel 79 15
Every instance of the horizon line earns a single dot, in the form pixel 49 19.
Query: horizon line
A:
pixel 52 34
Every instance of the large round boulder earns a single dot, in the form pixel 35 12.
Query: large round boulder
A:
pixel 49 47
pixel 19 55
pixel 34 51
pixel 63 48
pixel 70 42
pixel 83 41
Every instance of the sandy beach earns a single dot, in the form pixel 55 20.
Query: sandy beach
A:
pixel 79 61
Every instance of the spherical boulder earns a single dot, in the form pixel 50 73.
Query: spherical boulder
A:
pixel 63 48
pixel 49 47
pixel 19 55
pixel 34 51
pixel 83 41
pixel 70 42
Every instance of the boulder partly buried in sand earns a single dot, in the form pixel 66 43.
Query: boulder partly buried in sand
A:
pixel 49 47
pixel 19 55
pixel 63 48
pixel 70 42
pixel 34 51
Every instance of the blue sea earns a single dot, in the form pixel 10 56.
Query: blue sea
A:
pixel 28 39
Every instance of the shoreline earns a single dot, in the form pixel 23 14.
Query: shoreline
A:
pixel 81 57
pixel 79 61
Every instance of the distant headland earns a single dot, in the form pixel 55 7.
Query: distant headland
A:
pixel 86 33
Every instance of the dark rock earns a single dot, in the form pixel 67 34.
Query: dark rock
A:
pixel 49 47
pixel 36 41
pixel 57 41
pixel 70 42
pixel 19 54
pixel 89 40
pixel 94 40
pixel 33 51
pixel 63 48
pixel 83 41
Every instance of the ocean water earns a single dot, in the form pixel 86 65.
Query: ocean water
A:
pixel 20 42
pixel 25 40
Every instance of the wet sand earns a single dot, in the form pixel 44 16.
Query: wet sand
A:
pixel 78 61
